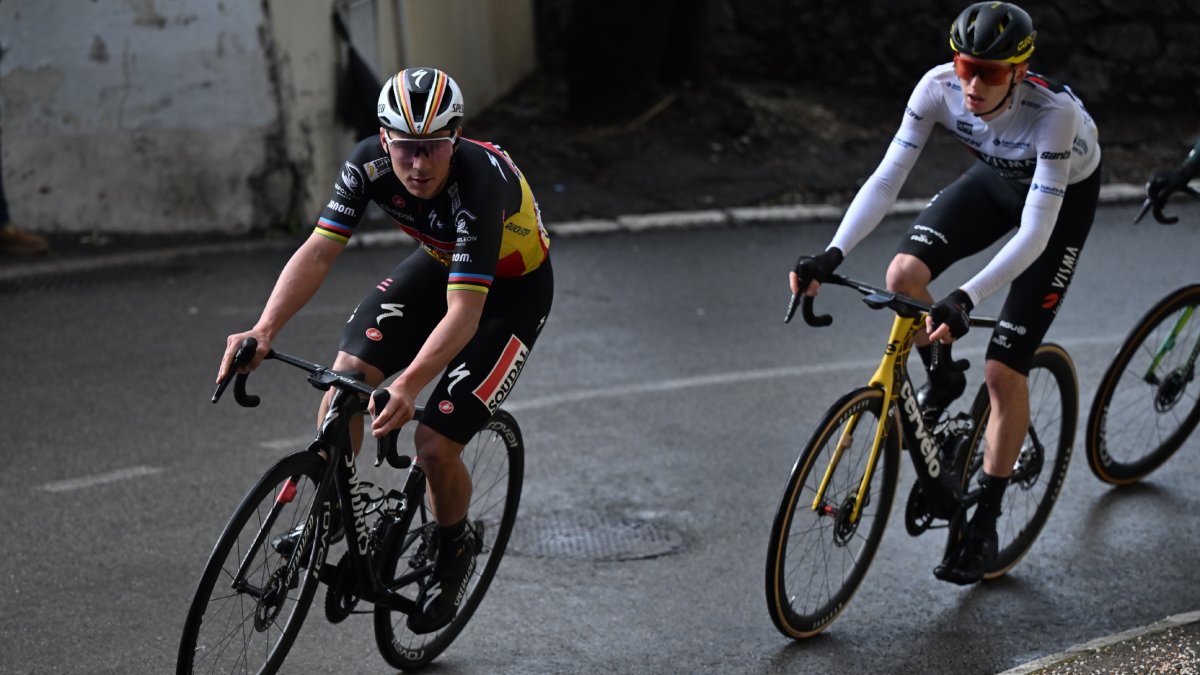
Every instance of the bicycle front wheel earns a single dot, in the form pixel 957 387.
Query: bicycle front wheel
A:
pixel 495 459
pixel 1148 402
pixel 819 549
pixel 1041 466
pixel 250 603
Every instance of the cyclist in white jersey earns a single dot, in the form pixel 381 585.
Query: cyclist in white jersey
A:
pixel 1038 171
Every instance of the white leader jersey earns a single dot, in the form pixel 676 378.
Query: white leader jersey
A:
pixel 1044 139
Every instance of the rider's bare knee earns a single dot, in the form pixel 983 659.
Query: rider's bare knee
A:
pixel 433 449
pixel 907 274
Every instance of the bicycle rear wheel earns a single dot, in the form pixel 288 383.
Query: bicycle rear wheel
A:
pixel 249 605
pixel 1148 402
pixel 495 458
pixel 1041 467
pixel 818 554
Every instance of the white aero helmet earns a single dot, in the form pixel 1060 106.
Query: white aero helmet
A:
pixel 420 101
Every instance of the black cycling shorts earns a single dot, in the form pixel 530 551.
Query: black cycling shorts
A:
pixel 974 212
pixel 393 321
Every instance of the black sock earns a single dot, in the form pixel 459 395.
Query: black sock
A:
pixel 448 534
pixel 991 494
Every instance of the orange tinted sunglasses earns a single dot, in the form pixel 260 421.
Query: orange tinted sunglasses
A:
pixel 990 73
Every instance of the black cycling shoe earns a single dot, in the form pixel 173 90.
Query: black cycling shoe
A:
pixel 447 586
pixel 943 387
pixel 973 556
pixel 284 544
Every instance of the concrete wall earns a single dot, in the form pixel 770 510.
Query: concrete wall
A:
pixel 173 116
pixel 136 116
pixel 450 34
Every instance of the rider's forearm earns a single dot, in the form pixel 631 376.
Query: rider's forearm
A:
pixel 448 338
pixel 298 283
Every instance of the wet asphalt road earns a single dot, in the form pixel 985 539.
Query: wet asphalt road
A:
pixel 665 391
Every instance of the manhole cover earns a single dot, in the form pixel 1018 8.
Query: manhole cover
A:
pixel 593 536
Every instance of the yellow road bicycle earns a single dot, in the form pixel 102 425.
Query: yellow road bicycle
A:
pixel 835 506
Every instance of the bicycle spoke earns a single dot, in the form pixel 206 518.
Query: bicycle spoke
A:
pixel 824 556
pixel 1148 401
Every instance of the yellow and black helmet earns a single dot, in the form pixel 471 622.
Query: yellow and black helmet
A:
pixel 996 31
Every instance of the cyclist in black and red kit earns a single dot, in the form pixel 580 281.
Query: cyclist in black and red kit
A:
pixel 1038 171
pixel 462 311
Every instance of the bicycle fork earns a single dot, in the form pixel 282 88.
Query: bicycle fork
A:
pixel 891 369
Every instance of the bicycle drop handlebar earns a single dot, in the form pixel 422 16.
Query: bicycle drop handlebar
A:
pixel 875 298
pixel 320 377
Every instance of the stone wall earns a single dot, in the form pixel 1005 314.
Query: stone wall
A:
pixel 1111 52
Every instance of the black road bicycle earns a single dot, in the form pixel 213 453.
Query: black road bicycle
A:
pixel 1148 402
pixel 252 600
pixel 835 506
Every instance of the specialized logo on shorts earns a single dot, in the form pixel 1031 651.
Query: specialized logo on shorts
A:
pixel 374 334
pixel 457 375
pixel 495 387
pixel 398 201
pixel 446 407
pixel 390 309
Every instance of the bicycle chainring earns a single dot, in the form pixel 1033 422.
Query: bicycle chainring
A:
pixel 340 599
pixel 917 514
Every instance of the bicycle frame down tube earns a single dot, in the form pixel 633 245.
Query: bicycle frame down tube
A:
pixel 891 369
pixel 1169 344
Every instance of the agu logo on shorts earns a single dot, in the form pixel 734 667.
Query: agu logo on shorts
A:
pixel 495 387
pixel 374 334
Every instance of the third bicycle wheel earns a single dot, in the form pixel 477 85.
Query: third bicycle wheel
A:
pixel 1146 404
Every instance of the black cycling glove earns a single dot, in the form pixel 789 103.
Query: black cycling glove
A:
pixel 817 267
pixel 1163 184
pixel 955 311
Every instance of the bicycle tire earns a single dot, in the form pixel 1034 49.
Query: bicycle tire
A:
pixel 1145 406
pixel 806 545
pixel 1041 468
pixel 228 628
pixel 495 458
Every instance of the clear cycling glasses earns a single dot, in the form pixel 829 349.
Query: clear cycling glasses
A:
pixel 991 73
pixel 407 149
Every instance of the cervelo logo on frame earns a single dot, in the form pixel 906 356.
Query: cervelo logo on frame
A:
pixel 495 387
